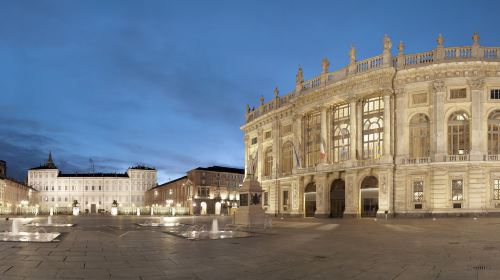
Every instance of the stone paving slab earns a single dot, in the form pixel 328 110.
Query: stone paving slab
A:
pixel 104 247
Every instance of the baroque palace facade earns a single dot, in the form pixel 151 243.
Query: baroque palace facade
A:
pixel 93 191
pixel 410 134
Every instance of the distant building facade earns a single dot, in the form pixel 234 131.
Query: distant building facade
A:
pixel 93 191
pixel 14 193
pixel 210 190
pixel 410 134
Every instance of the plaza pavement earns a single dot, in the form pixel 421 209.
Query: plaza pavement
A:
pixel 104 247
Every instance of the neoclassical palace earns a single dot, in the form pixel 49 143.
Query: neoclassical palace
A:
pixel 93 191
pixel 406 134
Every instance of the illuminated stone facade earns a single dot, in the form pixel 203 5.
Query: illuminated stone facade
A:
pixel 93 191
pixel 13 193
pixel 412 134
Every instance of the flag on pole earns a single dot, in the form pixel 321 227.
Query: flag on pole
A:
pixel 296 156
pixel 322 152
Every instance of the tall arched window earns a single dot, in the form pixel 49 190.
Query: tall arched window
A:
pixel 419 136
pixel 268 161
pixel 287 158
pixel 340 133
pixel 494 133
pixel 459 134
pixel 373 127
pixel 312 138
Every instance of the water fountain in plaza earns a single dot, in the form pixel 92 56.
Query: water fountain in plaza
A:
pixel 160 222
pixel 20 236
pixel 49 223
pixel 200 232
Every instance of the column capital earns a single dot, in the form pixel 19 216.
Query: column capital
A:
pixel 437 86
pixel 476 83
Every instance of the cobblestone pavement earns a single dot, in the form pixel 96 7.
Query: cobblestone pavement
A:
pixel 104 247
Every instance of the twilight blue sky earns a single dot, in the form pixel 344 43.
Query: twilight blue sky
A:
pixel 165 83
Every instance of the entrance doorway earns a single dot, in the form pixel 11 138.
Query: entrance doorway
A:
pixel 337 199
pixel 310 200
pixel 93 209
pixel 369 197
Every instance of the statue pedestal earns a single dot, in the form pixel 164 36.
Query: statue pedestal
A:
pixel 250 212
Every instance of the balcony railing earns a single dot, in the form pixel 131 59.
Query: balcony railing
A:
pixel 491 157
pixel 454 158
pixel 401 61
pixel 417 160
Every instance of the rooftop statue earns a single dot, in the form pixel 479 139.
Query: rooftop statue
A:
pixel 475 38
pixel 276 92
pixel 352 54
pixel 401 47
pixel 325 64
pixel 261 100
pixel 440 40
pixel 387 43
pixel 300 76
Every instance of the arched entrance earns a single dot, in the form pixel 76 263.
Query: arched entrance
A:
pixel 369 197
pixel 337 199
pixel 310 200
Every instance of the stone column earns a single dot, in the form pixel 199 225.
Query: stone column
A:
pixel 351 196
pixel 439 90
pixel 476 136
pixel 359 136
pixel 246 140
pixel 385 193
pixel 295 196
pixel 322 205
pixel 260 154
pixel 354 128
pixel 324 133
pixel 401 142
pixel 276 133
pixel 387 126
pixel 297 140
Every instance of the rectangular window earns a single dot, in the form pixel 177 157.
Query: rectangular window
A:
pixel 459 93
pixel 266 198
pixel 285 200
pixel 496 189
pixel 92 187
pixel 495 94
pixel 86 188
pixel 457 190
pixel 254 141
pixel 418 191
pixel 99 187
pixel 313 138
pixel 340 132
pixel 267 135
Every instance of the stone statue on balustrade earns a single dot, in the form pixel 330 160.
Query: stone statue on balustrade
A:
pixel 325 64
pixel 299 78
pixel 352 54
pixel 387 43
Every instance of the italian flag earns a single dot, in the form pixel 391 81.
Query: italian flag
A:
pixel 322 152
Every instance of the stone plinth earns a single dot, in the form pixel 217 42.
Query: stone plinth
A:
pixel 250 212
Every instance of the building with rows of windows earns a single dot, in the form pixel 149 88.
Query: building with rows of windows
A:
pixel 404 134
pixel 93 191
